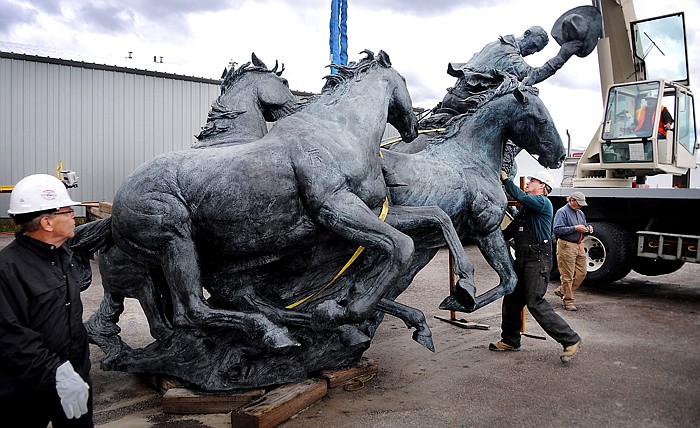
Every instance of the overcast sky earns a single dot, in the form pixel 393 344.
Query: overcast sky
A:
pixel 200 37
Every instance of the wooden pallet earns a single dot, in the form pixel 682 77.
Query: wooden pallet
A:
pixel 181 401
pixel 366 368
pixel 279 404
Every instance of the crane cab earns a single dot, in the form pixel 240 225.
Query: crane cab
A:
pixel 632 140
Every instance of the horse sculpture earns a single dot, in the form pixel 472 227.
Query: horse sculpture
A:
pixel 196 217
pixel 459 172
pixel 250 96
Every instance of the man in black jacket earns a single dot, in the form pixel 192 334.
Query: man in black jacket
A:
pixel 44 353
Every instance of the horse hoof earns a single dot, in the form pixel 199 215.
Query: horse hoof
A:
pixel 465 293
pixel 279 338
pixel 425 339
pixel 451 304
pixel 351 336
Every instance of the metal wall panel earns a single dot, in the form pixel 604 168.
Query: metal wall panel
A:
pixel 101 122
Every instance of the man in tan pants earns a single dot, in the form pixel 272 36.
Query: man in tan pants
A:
pixel 569 227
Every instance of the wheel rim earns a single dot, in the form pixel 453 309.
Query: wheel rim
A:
pixel 595 253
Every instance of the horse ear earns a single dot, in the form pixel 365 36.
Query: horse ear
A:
pixel 279 73
pixel 257 62
pixel 454 73
pixel 383 59
pixel 519 95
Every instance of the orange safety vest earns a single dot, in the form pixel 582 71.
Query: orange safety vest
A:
pixel 662 130
pixel 640 118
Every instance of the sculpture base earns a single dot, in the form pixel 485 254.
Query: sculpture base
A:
pixel 221 361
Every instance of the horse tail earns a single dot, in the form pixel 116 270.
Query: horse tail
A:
pixel 90 238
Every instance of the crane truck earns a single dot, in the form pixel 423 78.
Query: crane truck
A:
pixel 652 231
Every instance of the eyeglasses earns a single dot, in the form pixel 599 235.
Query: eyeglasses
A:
pixel 68 211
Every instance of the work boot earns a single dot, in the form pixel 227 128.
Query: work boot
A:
pixel 558 292
pixel 569 352
pixel 502 346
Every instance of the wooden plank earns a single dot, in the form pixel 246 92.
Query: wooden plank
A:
pixel 365 368
pixel 279 404
pixel 106 207
pixel 182 401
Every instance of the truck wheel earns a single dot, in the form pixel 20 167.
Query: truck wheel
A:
pixel 654 267
pixel 610 250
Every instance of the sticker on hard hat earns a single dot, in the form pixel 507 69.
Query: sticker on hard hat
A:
pixel 48 194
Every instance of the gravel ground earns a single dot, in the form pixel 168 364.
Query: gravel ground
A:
pixel 638 365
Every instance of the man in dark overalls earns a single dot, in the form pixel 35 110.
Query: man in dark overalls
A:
pixel 532 233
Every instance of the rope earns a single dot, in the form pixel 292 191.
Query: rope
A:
pixel 360 249
pixel 358 383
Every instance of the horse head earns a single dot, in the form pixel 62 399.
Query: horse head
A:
pixel 400 107
pixel 401 114
pixel 532 127
pixel 270 88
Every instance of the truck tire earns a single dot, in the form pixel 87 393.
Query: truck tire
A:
pixel 654 267
pixel 610 251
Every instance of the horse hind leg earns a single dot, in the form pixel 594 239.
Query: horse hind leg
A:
pixel 413 319
pixel 432 228
pixel 181 270
pixel 103 331
pixel 346 215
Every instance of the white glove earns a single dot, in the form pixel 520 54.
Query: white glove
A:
pixel 72 390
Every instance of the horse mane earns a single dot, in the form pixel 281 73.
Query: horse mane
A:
pixel 234 74
pixel 509 84
pixel 354 70
pixel 219 111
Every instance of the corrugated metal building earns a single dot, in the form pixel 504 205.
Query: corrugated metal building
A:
pixel 101 121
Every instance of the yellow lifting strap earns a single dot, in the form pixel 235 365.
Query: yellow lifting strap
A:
pixel 360 249
pixel 422 131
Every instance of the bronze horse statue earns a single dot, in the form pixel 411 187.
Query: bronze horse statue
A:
pixel 459 172
pixel 315 178
pixel 250 96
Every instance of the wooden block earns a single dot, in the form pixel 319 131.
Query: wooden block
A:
pixel 161 383
pixel 279 404
pixel 186 401
pixel 106 207
pixel 94 213
pixel 366 367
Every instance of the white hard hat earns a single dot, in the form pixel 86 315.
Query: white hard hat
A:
pixel 39 192
pixel 544 177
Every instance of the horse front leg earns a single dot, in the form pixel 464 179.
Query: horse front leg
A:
pixel 413 318
pixel 346 215
pixel 495 250
pixel 180 264
pixel 431 227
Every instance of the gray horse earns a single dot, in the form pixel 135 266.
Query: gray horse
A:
pixel 250 96
pixel 316 172
pixel 460 173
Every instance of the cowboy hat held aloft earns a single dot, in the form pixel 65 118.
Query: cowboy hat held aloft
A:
pixel 583 23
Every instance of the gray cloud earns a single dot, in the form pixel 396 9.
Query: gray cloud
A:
pixel 51 7
pixel 113 16
pixel 13 14
pixel 423 7
pixel 107 18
